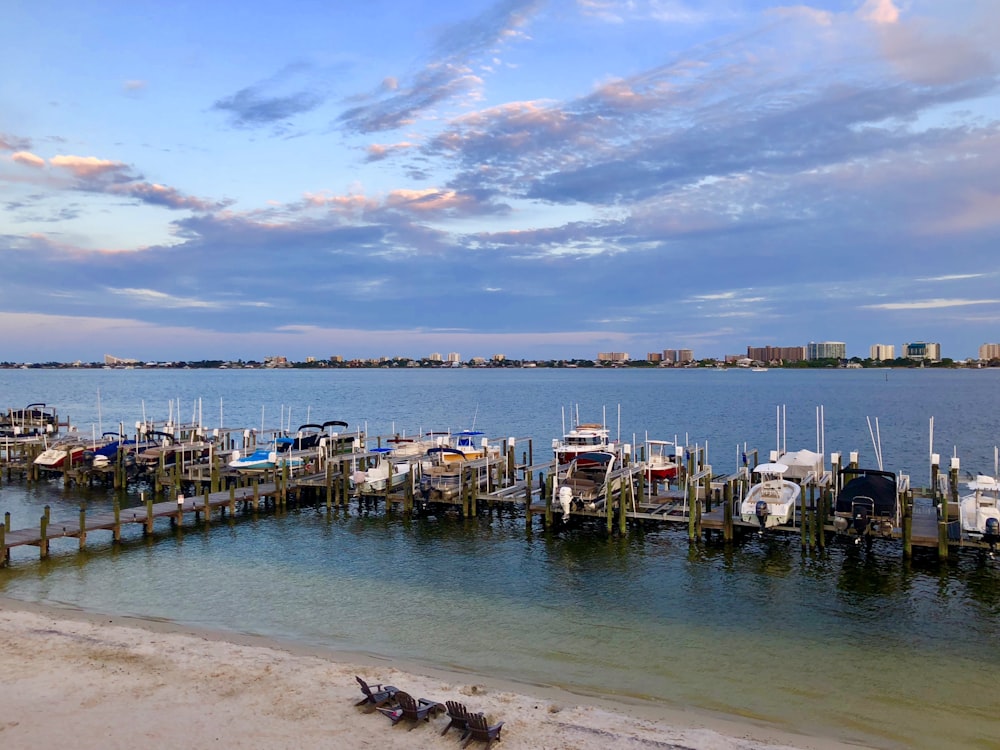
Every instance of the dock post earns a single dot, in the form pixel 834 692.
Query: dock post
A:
pixel 83 525
pixel 180 511
pixel 527 500
pixel 408 491
pixel 328 468
pixel 803 519
pixel 256 496
pixel 43 543
pixel 692 500
pixel 116 532
pixel 935 471
pixel 345 483
pixel 148 528
pixel 821 515
pixel 622 507
pixel 908 525
pixel 232 501
pixel 727 512
pixel 548 501
pixel 4 552
pixel 531 453
pixel 208 507
pixel 473 492
pixel 609 510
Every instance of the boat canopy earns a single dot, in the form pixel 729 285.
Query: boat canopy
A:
pixel 773 468
pixel 800 463
pixel 879 487
pixel 984 482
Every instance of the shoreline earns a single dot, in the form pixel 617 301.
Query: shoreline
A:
pixel 112 679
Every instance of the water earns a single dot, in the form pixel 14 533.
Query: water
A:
pixel 852 643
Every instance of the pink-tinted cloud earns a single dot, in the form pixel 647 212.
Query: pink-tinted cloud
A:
pixel 88 167
pixel 879 11
pixel 13 143
pixel 379 151
pixel 162 195
pixel 28 159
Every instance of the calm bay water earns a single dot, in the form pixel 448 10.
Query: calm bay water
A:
pixel 852 643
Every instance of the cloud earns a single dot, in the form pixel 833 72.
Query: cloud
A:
pixel 931 304
pixel 250 108
pixel 13 143
pixel 879 11
pixel 90 167
pixel 161 195
pixel 134 86
pixel 378 151
pixel 28 159
pixel 446 76
pixel 153 298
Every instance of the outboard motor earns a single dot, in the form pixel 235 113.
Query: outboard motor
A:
pixel 88 457
pixel 762 511
pixel 992 535
pixel 862 519
pixel 565 500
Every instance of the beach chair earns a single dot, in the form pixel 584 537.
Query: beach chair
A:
pixel 412 709
pixel 377 695
pixel 480 730
pixel 459 716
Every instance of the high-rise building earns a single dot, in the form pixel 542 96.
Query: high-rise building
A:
pixel 922 350
pixel 454 357
pixel 654 357
pixel 883 352
pixel 434 357
pixel 612 357
pixel 826 350
pixel 685 355
pixel 989 351
pixel 776 353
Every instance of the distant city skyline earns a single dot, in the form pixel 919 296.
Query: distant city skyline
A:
pixel 544 178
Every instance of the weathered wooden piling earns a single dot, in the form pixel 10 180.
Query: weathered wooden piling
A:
pixel 43 544
pixel 82 536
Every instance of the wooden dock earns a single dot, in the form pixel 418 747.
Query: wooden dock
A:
pixel 704 503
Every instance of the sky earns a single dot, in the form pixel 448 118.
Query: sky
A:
pixel 184 181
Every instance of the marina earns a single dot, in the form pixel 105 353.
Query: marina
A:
pixel 650 613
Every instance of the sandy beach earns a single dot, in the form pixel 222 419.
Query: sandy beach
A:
pixel 101 681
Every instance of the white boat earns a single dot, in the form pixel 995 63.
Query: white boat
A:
pixel 56 456
pixel 978 511
pixel 661 460
pixel 376 478
pixel 771 501
pixel 582 439
pixel 267 457
pixel 582 484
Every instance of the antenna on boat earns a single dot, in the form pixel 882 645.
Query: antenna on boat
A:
pixel 100 424
pixel 930 446
pixel 876 443
pixel 784 429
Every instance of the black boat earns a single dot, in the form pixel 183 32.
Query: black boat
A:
pixel 867 504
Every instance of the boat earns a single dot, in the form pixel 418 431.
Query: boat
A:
pixel 771 500
pixel 377 477
pixel 661 460
pixel 167 451
pixel 582 485
pixel 979 512
pixel 867 504
pixel 268 457
pixel 802 465
pixel 441 473
pixel 62 454
pixel 581 440
pixel 32 420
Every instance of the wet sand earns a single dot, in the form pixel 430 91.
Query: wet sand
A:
pixel 103 681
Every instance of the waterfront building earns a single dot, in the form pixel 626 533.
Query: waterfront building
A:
pixel 434 357
pixel 612 357
pixel 654 357
pixel 921 350
pixel 882 352
pixel 989 351
pixel 826 350
pixel 776 353
pixel 454 357
pixel 113 361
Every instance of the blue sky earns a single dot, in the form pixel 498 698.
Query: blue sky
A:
pixel 539 179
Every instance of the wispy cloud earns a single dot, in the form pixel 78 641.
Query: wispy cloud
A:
pixel 931 304
pixel 265 104
pixel 447 75
pixel 153 298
